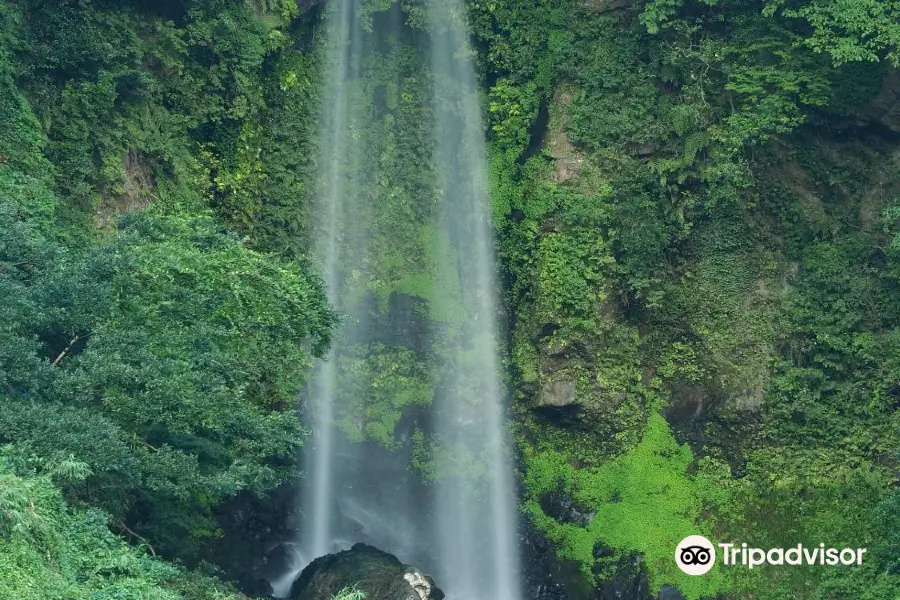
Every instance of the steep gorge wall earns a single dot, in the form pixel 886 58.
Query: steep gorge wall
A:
pixel 676 250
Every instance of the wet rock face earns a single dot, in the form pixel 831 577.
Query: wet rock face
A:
pixel 625 579
pixel 562 508
pixel 544 576
pixel 670 593
pixel 379 574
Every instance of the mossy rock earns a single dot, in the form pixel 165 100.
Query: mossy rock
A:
pixel 381 576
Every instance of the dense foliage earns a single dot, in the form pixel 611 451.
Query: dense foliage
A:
pixel 697 220
pixel 48 550
pixel 140 339
pixel 696 206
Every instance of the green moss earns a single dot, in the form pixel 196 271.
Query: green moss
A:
pixel 438 283
pixel 381 382
pixel 422 460
pixel 645 502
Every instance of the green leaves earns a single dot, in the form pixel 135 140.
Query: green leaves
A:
pixel 49 551
pixel 571 272
pixel 512 111
pixel 194 344
pixel 848 30
pixel 350 593
pixel 380 383
pixel 161 366
pixel 839 328
pixel 683 117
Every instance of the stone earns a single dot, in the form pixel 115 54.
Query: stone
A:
pixel 380 575
pixel 885 106
pixel 567 160
pixel 670 593
pixel 420 582
pixel 644 150
pixel 603 6
pixel 558 393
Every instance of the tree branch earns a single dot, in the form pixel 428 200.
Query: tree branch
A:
pixel 125 528
pixel 64 352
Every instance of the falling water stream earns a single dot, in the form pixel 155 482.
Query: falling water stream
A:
pixel 462 527
pixel 469 417
pixel 339 114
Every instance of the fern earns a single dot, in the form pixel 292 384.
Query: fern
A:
pixel 70 469
pixel 349 593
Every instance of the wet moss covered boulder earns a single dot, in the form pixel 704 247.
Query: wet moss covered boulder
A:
pixel 381 576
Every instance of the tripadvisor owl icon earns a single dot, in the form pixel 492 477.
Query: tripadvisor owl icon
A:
pixel 695 555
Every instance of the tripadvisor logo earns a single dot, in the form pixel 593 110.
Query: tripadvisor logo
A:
pixel 696 555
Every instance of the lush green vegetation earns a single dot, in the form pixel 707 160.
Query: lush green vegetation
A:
pixel 49 550
pixel 696 205
pixel 703 228
pixel 144 347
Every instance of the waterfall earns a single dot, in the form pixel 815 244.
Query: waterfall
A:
pixel 469 418
pixel 337 162
pixel 388 228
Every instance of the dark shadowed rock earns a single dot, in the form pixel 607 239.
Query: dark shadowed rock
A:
pixel 307 5
pixel 885 106
pixel 603 6
pixel 379 574
pixel 258 588
pixel 670 593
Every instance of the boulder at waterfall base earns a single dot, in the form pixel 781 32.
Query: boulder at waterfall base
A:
pixel 380 575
